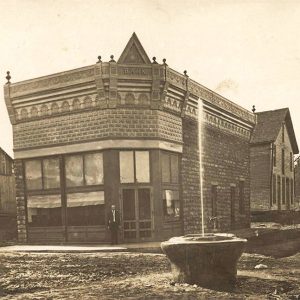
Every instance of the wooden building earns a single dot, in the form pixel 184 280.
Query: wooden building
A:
pixel 126 133
pixel 273 146
pixel 7 198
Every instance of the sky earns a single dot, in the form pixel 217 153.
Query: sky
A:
pixel 248 51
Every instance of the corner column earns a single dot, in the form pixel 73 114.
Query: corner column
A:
pixel 20 201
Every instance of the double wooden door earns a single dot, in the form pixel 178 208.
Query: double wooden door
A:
pixel 137 214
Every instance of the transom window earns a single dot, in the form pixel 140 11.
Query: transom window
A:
pixel 84 169
pixel 169 167
pixel 42 174
pixel 134 167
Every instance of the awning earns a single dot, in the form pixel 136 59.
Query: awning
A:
pixel 44 201
pixel 85 199
pixel 73 200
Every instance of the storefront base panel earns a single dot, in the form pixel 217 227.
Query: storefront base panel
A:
pixel 87 234
pixel 46 234
pixel 74 234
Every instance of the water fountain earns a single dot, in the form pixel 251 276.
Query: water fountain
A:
pixel 208 260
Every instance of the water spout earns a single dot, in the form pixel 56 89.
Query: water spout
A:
pixel 200 118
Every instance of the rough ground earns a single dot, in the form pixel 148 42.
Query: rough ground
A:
pixel 135 276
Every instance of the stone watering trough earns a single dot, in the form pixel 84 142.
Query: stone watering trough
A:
pixel 209 260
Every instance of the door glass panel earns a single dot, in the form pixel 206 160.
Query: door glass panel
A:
pixel 126 167
pixel 33 175
pixel 51 173
pixel 93 168
pixel 74 170
pixel 128 205
pixel 142 166
pixel 144 204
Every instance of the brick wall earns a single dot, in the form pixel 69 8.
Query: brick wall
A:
pixel 97 125
pixel 225 163
pixel 260 177
pixel 20 199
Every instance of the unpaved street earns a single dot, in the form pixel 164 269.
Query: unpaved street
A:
pixel 135 276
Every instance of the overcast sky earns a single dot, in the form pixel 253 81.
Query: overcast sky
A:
pixel 248 51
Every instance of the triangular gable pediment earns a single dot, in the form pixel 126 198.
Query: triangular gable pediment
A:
pixel 134 53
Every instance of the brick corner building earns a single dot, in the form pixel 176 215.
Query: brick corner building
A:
pixel 126 133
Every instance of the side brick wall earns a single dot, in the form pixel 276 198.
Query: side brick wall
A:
pixel 226 162
pixel 260 177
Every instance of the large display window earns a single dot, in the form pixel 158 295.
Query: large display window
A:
pixel 42 174
pixel 44 210
pixel 86 209
pixel 84 170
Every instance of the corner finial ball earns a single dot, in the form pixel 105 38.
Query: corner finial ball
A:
pixel 8 77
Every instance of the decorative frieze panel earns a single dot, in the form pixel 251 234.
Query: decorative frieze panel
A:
pixel 52 81
pixel 176 78
pixel 133 99
pixel 191 112
pixel 226 125
pixel 76 104
pixel 179 80
pixel 221 102
pixel 173 104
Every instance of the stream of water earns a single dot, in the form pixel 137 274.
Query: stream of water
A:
pixel 200 137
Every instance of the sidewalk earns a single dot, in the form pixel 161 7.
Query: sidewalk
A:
pixel 134 247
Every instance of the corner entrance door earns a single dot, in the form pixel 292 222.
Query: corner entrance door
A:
pixel 137 214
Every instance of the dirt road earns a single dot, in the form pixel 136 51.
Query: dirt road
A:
pixel 135 276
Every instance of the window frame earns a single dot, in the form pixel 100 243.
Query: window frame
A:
pixel 170 167
pixel 135 181
pixel 84 186
pixel 43 189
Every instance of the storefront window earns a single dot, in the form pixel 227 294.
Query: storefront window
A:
pixel 169 167
pixel 93 167
pixel 74 170
pixel 44 210
pixel 171 203
pixel 33 171
pixel 51 173
pixel 86 209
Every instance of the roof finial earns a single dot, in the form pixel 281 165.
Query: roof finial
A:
pixel 99 59
pixel 154 60
pixel 8 77
pixel 253 108
pixel 185 73
pixel 164 61
pixel 112 58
